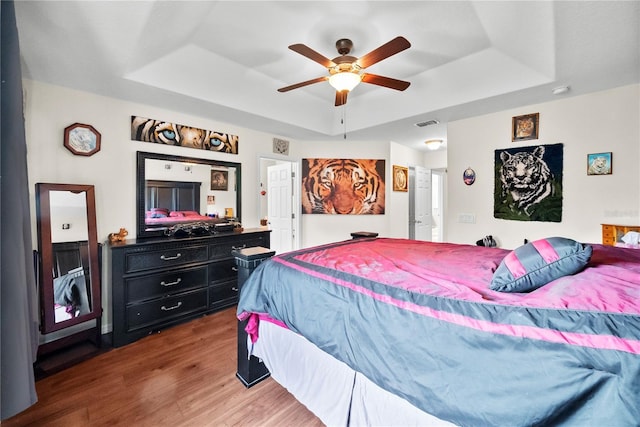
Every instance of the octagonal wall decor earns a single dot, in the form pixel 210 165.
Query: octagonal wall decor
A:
pixel 82 139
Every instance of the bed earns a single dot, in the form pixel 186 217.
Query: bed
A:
pixel 171 203
pixel 378 331
pixel 160 217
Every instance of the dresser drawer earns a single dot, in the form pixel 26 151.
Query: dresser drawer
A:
pixel 223 294
pixel 222 271
pixel 188 277
pixel 168 257
pixel 155 285
pixel 164 309
pixel 223 248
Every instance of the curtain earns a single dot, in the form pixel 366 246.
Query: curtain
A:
pixel 18 293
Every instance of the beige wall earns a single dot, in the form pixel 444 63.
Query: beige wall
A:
pixel 49 109
pixel 599 122
pixel 606 121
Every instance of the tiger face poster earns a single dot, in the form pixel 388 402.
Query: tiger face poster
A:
pixel 343 186
pixel 161 132
pixel 528 183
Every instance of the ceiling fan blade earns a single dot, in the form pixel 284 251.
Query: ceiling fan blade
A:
pixel 312 54
pixel 341 97
pixel 302 84
pixel 385 81
pixel 386 50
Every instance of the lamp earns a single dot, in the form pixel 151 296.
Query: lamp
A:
pixel 433 144
pixel 345 80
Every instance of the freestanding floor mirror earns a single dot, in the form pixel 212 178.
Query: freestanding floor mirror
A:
pixel 68 260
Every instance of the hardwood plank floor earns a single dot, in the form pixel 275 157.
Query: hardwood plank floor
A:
pixel 183 376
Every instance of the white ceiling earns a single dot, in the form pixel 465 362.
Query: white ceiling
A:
pixel 225 60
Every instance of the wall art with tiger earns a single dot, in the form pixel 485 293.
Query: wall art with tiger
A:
pixel 528 183
pixel 343 186
pixel 161 132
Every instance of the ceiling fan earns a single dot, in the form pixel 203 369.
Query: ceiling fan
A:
pixel 345 72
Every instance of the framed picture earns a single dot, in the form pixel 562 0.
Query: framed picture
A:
pixel 280 146
pixel 400 178
pixel 219 180
pixel 599 164
pixel 368 199
pixel 469 176
pixel 525 127
pixel 81 139
pixel 158 131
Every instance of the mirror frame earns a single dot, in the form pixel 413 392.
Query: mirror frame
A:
pixel 43 212
pixel 142 233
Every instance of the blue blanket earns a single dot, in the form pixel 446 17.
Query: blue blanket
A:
pixel 419 320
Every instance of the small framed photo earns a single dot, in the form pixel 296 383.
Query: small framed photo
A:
pixel 280 146
pixel 469 176
pixel 525 127
pixel 219 180
pixel 400 178
pixel 81 139
pixel 599 164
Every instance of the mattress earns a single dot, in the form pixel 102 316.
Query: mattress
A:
pixel 334 392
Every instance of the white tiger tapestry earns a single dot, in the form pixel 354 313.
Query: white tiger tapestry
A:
pixel 528 183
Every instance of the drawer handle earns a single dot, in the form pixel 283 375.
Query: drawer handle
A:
pixel 163 283
pixel 169 258
pixel 163 308
pixel 234 268
pixel 235 248
pixel 234 289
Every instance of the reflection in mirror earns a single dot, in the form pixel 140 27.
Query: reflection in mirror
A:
pixel 69 276
pixel 70 239
pixel 175 190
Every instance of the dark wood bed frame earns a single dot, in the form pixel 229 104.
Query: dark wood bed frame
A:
pixel 172 195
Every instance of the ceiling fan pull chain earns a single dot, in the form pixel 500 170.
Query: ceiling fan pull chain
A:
pixel 344 119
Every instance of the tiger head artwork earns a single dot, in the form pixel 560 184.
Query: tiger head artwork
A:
pixel 526 177
pixel 161 132
pixel 599 166
pixel 343 186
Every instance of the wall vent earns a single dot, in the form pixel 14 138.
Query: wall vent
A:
pixel 427 123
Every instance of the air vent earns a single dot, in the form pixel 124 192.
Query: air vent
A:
pixel 427 123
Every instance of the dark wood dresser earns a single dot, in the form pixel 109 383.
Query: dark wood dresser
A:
pixel 159 283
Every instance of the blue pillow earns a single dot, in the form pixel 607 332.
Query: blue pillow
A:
pixel 537 263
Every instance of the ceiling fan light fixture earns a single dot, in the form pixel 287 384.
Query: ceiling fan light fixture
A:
pixel 433 144
pixel 345 81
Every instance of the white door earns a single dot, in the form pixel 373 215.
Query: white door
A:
pixel 438 177
pixel 280 206
pixel 422 205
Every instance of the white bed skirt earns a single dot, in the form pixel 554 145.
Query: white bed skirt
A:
pixel 335 393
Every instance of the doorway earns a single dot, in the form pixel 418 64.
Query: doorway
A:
pixel 426 203
pixel 279 199
pixel 419 203
pixel 438 184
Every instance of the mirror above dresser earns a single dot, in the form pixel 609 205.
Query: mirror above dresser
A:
pixel 185 193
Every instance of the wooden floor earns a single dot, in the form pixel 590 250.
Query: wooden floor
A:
pixel 183 376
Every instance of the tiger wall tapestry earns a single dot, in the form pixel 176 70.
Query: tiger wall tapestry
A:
pixel 161 132
pixel 528 183
pixel 343 186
